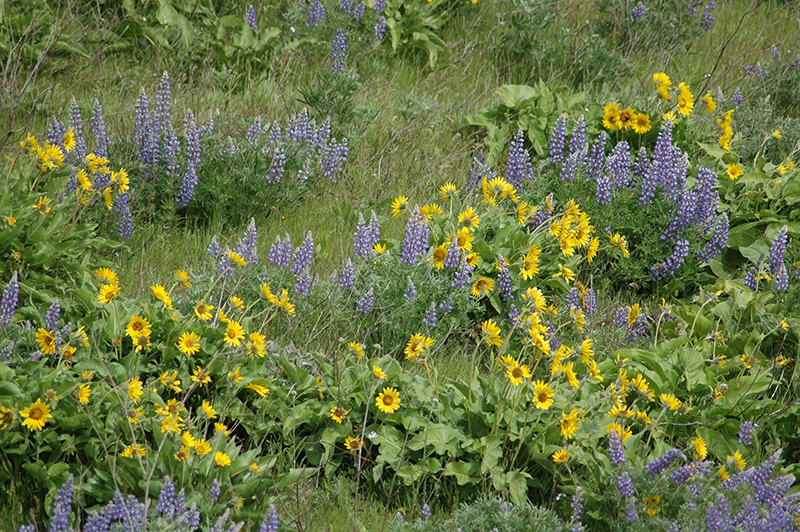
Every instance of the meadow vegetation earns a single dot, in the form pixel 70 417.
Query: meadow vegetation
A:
pixel 400 265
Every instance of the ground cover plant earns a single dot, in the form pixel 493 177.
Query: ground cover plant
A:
pixel 399 265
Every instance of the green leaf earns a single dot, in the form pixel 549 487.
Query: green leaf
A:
pixel 464 472
pixel 169 16
pixel 515 96
pixel 714 151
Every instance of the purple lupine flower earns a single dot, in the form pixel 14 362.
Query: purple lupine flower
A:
pixel 567 172
pixel 630 512
pixel 625 483
pixel 346 5
pixel 453 257
pixel 446 306
pixel 221 521
pixel 684 214
pixel 615 452
pixel 379 6
pixel 557 139
pixel 573 299
pixel 214 491
pixel 62 504
pixel 618 165
pixel 411 291
pixel 641 164
pixel 795 65
pixel 673 262
pixel 590 302
pixel 170 147
pixel 374 230
pixel 250 18
pixel 707 20
pixel 596 158
pixel 576 504
pixel 276 168
pixel 463 275
pixel 416 238
pixel 271 521
pixel 476 169
pixel 706 198
pixel 247 245
pixel 620 317
pixel 718 516
pixel 76 123
pixel 663 462
pixel 554 342
pixel 52 316
pixel 718 240
pixel 55 133
pixel 166 498
pixel 303 284
pixel 519 166
pixel 303 255
pixel 163 104
pixel 755 71
pixel 746 433
pixel 782 279
pixel 398 518
pixel 142 129
pixel 126 221
pixel 358 11
pixel 362 241
pixel 275 135
pixel 504 280
pixel 776 54
pixel 515 316
pixel 365 303
pixel 254 132
pixel 759 477
pixel 637 13
pixel 30 527
pixel 426 511
pixel 430 316
pixel 316 12
pixel 278 252
pixel 347 276
pixel 188 183
pixel 338 51
pixel 750 279
pixel 603 190
pixel 99 130
pixel 8 305
pixel 577 141
pixel 334 157
pixel 5 353
pixel 540 218
pixel 748 517
pixel 298 128
pixel 737 99
pixel 777 250
pixel 662 164
pixel 213 248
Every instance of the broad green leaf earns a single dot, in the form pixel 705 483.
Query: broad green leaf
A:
pixel 464 472
pixel 514 95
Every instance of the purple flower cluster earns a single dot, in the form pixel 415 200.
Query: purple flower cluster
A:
pixel 214 491
pixel 379 6
pixel 519 166
pixel 52 316
pixel 672 263
pixel 316 12
pixel 590 302
pixel 576 504
pixel 603 190
pixel 380 28
pixel 247 245
pixel 190 179
pixel 430 316
pixel 365 303
pixel 776 265
pixel 573 299
pixel 8 305
pixel 411 291
pixel 358 11
pixel 99 130
pixel 615 452
pixel 446 306
pixel 557 140
pixel 303 284
pixel 271 521
pixel 718 240
pixel 746 433
pixel 737 99
pixel 366 236
pixel 303 255
pixel 334 157
pixel 618 165
pixel 280 254
pixel 637 13
pixel 416 238
pixel 663 462
pixel 776 54
pixel 126 220
pixel 453 257
pixel 625 483
pixel 463 275
pixel 78 153
pixel 707 20
pixel 55 133
pixel 347 277
pixel 755 71
pixel 338 51
pixel 276 168
pixel 577 140
pixel 254 131
pixel 504 280
pixel 250 18
pixel 594 161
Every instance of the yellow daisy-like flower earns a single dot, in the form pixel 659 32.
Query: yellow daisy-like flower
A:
pixel 663 85
pixel 107 293
pixel 542 395
pixel 356 349
pixel 592 372
pixel 170 380
pixel 626 116
pixel 161 295
pixel 463 239
pixel 431 210
pixel 737 459
pixel 640 123
pixel 530 264
pixel 134 389
pixel 84 393
pixel 234 375
pixel 234 334
pixel 134 450
pixel 611 117
pixel 352 444
pixel 700 449
pixel 260 389
pixel 388 401
pixel 378 372
pixel 69 140
pixel 7 417
pixel 122 181
pixel 209 410
pixel 43 205
pixel 587 351
pixel 670 401
pixel 108 198
pixel 723 473
pixel 379 248
pixel 138 326
pixel 518 373
pixel 237 302
pixel 141 342
pixel 11 221
pixel 417 345
pixel 711 106
pixel 187 439
pixel 468 219
pixel 47 344
pixel 438 256
pixel 254 469
pixel 482 287
pixel 135 415
pixel 97 163
pixel 565 273
pixel 222 459
pixel 200 376
pixel 183 278
pixel 182 454
pixel 570 423
pixel 685 100
pixel 221 427
pixel 399 206
pixel 472 259
pixel 236 258
pixel 36 415
pixel 490 333
pixel 623 434
pixel 506 362
pixel 189 343
pixel 202 447
pixel 734 171
pixel 651 505
pixel 203 311
pixel 337 414
pixel 560 456
pixel 777 134
pixel 448 192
